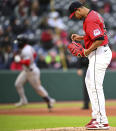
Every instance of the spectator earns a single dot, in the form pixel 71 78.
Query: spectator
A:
pixel 21 10
pixel 2 59
pixel 44 6
pixel 55 21
pixel 53 60
pixel 47 39
pixel 107 7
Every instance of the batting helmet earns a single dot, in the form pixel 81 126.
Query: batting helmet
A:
pixel 22 40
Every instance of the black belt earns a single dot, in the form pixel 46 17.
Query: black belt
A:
pixel 105 45
pixel 95 49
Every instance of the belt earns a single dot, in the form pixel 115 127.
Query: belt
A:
pixel 30 69
pixel 105 45
pixel 95 49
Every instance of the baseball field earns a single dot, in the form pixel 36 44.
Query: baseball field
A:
pixel 66 116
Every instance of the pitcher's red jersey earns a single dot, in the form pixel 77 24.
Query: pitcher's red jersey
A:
pixel 94 28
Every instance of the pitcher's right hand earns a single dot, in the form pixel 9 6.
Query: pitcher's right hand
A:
pixel 76 37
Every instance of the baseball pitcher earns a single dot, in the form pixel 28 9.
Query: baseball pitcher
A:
pixel 99 55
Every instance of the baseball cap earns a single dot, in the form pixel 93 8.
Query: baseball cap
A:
pixel 73 7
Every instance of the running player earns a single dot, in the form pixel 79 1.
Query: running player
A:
pixel 30 73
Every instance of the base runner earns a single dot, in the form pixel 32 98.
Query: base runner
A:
pixel 30 73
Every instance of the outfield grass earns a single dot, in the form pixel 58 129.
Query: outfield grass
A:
pixel 43 105
pixel 13 123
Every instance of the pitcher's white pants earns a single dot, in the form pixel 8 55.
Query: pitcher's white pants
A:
pixel 98 62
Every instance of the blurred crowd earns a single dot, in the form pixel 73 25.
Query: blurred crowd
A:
pixel 49 29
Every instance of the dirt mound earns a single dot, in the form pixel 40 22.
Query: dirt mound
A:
pixel 68 129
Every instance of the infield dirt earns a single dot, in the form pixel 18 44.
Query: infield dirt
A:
pixel 70 111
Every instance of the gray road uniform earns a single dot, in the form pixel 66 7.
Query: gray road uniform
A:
pixel 30 73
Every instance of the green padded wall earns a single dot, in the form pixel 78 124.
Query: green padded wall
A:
pixel 62 85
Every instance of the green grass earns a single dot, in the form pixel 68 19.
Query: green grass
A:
pixel 13 123
pixel 41 105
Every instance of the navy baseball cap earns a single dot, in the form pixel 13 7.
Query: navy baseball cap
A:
pixel 73 7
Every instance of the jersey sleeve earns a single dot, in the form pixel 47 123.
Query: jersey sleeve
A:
pixel 93 30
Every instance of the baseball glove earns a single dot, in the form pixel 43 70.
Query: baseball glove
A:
pixel 76 49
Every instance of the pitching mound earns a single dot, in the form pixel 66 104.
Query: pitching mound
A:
pixel 68 129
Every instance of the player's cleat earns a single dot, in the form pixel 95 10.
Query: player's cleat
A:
pixel 51 104
pixel 98 126
pixel 91 122
pixel 21 103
